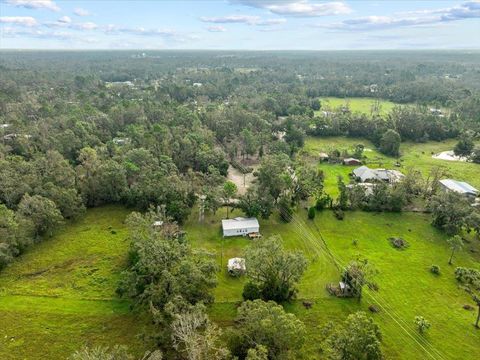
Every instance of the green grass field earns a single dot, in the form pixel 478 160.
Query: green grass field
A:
pixel 61 293
pixel 413 156
pixel 407 288
pixel 362 105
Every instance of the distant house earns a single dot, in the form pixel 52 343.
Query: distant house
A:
pixel 121 141
pixel 157 224
pixel 4 126
pixel 460 187
pixel 351 161
pixel 323 157
pixel 197 84
pixel 365 174
pixel 10 137
pixel 236 266
pixel 436 112
pixel 240 226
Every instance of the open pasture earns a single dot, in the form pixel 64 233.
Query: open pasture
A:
pixel 60 294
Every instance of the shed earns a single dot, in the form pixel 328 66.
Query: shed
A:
pixel 323 156
pixel 236 266
pixel 351 161
pixel 240 226
pixel 460 187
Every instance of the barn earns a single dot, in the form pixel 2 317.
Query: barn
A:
pixel 240 226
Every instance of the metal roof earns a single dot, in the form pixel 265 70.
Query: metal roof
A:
pixel 459 186
pixel 239 223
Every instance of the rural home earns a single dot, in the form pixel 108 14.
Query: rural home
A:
pixel 236 266
pixel 365 174
pixel 240 226
pixel 460 187
pixel 351 161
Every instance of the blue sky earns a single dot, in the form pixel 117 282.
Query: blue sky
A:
pixel 239 24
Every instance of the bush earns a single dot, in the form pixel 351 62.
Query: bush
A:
pixel 323 202
pixel 435 269
pixel 251 291
pixel 468 276
pixel 311 213
pixel 422 324
pixel 398 243
pixel 339 214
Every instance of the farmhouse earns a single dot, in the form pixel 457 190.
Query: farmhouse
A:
pixel 460 187
pixel 236 266
pixel 240 226
pixel 365 174
pixel 351 161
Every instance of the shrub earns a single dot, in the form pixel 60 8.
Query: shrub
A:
pixel 339 214
pixel 422 324
pixel 435 269
pixel 251 291
pixel 323 202
pixel 468 276
pixel 311 213
pixel 398 243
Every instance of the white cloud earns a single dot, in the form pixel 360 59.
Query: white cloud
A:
pixel 270 22
pixel 65 20
pixel 242 19
pixel 230 19
pixel 19 20
pixel 85 26
pixel 216 28
pixel 299 8
pixel 35 4
pixel 81 12
pixel 466 10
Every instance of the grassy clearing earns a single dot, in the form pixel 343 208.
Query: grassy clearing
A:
pixel 361 105
pixel 407 288
pixel 62 292
pixel 413 156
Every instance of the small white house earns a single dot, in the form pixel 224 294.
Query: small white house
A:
pixel 236 266
pixel 240 226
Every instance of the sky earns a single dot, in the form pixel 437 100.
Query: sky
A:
pixel 239 24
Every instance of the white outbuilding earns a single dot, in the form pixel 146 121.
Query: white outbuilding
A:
pixel 240 226
pixel 236 266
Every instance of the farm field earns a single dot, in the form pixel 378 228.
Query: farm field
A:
pixel 61 292
pixel 413 155
pixel 406 286
pixel 361 105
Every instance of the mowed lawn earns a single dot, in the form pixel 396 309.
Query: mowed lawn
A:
pixel 406 286
pixel 61 293
pixel 413 156
pixel 361 105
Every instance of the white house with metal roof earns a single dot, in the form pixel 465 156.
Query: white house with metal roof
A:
pixel 460 187
pixel 240 226
pixel 365 174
